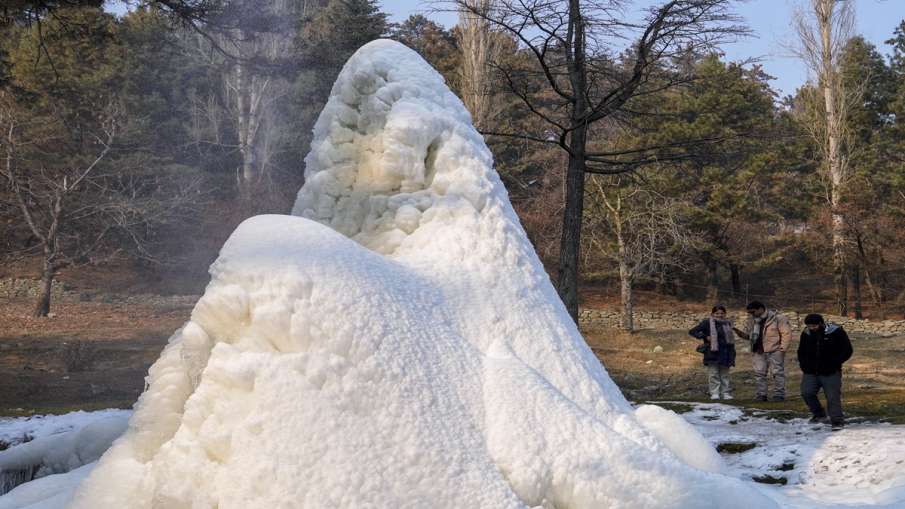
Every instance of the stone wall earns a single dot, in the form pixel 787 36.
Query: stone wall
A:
pixel 28 288
pixel 667 320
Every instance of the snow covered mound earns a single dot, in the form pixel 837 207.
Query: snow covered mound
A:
pixel 403 349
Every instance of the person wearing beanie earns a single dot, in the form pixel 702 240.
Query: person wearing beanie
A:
pixel 822 350
pixel 770 335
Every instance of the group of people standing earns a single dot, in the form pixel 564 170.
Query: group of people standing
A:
pixel 822 349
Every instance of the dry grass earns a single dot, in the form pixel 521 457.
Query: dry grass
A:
pixel 88 321
pixel 873 380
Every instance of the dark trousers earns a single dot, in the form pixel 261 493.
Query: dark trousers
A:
pixel 832 390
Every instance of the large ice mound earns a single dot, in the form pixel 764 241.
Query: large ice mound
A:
pixel 397 346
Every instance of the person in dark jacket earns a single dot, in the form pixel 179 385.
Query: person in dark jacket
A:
pixel 821 351
pixel 719 351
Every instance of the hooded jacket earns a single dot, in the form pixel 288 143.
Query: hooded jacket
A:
pixel 823 351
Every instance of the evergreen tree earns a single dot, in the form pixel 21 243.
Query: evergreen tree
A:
pixel 727 182
pixel 434 43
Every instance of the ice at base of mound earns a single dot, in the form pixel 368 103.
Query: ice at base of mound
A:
pixel 398 346
pixel 51 492
pixel 681 437
pixel 66 451
pixel 55 444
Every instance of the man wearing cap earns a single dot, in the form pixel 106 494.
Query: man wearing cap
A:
pixel 822 350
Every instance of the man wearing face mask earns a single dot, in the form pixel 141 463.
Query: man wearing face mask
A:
pixel 822 350
pixel 770 335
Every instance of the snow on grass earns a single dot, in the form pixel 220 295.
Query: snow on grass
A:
pixel 862 465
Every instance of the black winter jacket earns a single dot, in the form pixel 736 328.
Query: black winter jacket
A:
pixel 725 354
pixel 822 352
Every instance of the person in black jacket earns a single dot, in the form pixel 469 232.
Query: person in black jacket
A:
pixel 718 349
pixel 821 351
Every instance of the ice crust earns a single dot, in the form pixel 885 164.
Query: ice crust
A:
pixel 62 452
pixel 398 345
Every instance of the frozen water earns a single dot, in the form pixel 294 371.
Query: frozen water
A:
pixel 396 343
pixel 59 453
pixel 53 450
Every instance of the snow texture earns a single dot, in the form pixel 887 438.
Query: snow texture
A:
pixel 51 492
pixel 16 430
pixel 63 452
pixel 397 345
pixel 43 445
pixel 860 466
pixel 681 437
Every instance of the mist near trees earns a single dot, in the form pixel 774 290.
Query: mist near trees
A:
pixel 654 166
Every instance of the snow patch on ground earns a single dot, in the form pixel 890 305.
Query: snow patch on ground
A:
pixel 858 467
pixel 15 430
pixel 862 465
pixel 57 451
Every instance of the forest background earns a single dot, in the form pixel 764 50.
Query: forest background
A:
pixel 133 145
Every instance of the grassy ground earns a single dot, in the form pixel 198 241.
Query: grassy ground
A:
pixel 95 355
pixel 90 355
pixel 873 381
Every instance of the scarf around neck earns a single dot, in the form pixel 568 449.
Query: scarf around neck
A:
pixel 726 325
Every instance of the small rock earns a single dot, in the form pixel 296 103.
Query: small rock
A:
pixel 658 349
pixel 649 362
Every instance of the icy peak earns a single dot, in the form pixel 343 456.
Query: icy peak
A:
pixel 391 142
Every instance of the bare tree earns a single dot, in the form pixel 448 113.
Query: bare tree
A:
pixel 76 206
pixel 640 230
pixel 823 30
pixel 250 52
pixel 576 82
pixel 480 47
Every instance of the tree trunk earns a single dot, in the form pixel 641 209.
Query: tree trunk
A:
pixel 625 273
pixel 569 250
pixel 735 272
pixel 42 306
pixel 875 294
pixel 839 271
pixel 570 242
pixel 856 289
pixel 479 51
pixel 872 290
pixel 628 305
pixel 713 283
pixel 832 93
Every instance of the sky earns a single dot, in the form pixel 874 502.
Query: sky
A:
pixel 770 21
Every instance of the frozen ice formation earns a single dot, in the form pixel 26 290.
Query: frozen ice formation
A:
pixel 394 343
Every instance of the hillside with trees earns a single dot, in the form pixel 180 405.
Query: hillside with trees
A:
pixel 135 143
